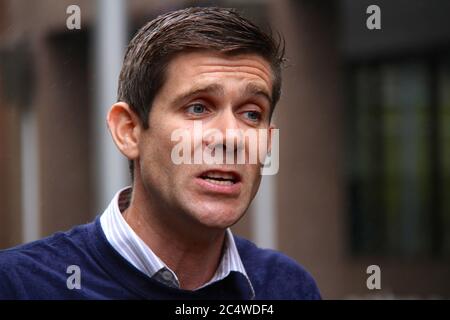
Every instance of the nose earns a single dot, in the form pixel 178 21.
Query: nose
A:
pixel 231 133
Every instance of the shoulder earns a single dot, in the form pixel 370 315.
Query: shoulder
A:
pixel 28 267
pixel 50 246
pixel 276 273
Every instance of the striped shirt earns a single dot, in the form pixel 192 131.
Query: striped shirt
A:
pixel 125 241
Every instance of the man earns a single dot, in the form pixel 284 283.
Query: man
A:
pixel 168 236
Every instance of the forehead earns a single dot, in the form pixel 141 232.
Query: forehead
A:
pixel 209 66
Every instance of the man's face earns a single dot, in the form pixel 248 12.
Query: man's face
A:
pixel 223 92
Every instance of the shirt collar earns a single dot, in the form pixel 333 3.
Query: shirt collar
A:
pixel 131 247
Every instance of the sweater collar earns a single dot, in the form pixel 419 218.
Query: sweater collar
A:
pixel 230 272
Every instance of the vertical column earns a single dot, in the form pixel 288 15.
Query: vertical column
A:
pixel 29 176
pixel 264 219
pixel 310 202
pixel 110 41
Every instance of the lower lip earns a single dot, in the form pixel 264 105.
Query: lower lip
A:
pixel 232 189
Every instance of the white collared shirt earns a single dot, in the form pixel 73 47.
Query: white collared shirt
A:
pixel 123 238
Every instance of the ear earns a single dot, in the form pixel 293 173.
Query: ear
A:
pixel 125 129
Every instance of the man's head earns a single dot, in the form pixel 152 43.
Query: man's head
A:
pixel 155 45
pixel 206 64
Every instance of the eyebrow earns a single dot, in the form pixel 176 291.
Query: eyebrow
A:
pixel 216 89
pixel 196 90
pixel 256 90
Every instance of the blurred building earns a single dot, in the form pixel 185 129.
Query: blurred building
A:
pixel 364 135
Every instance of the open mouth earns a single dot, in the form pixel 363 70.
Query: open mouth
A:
pixel 221 178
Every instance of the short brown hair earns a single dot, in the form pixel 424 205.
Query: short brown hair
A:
pixel 209 28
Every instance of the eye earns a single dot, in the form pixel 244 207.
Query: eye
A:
pixel 196 108
pixel 253 115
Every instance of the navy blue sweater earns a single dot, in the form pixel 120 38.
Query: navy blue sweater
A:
pixel 39 270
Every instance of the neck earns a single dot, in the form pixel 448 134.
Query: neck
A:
pixel 192 251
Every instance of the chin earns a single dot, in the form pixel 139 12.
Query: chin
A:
pixel 220 217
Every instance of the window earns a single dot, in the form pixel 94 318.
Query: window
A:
pixel 398 157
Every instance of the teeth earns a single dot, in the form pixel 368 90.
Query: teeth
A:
pixel 220 182
pixel 222 175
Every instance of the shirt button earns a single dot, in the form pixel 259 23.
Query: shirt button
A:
pixel 167 275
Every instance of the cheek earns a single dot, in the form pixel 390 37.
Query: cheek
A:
pixel 155 151
pixel 156 160
pixel 253 177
